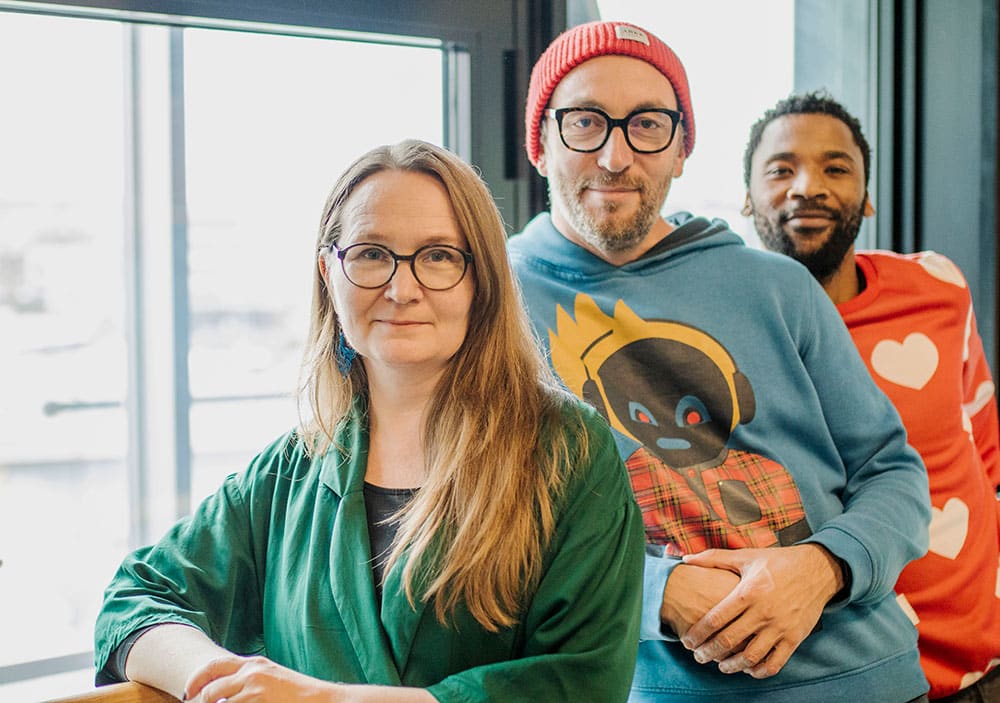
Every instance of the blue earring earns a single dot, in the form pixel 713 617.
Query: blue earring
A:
pixel 345 355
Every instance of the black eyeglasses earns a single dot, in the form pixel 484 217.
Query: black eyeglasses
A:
pixel 435 266
pixel 586 129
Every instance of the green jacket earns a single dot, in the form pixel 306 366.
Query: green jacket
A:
pixel 277 563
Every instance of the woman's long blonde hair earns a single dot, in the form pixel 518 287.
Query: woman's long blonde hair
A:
pixel 497 439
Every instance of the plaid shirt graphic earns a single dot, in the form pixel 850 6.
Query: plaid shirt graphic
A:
pixel 752 502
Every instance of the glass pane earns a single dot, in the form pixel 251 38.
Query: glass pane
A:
pixel 63 500
pixel 746 67
pixel 270 123
pixel 46 687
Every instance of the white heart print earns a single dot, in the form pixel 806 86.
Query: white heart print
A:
pixel 908 609
pixel 911 363
pixel 974 676
pixel 942 268
pixel 949 527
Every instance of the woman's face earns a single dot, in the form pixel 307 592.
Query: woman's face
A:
pixel 401 325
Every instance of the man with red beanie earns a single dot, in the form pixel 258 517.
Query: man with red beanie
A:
pixel 780 498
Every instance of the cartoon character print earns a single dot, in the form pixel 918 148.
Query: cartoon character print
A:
pixel 677 392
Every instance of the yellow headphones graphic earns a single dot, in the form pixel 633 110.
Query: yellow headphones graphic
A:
pixel 583 342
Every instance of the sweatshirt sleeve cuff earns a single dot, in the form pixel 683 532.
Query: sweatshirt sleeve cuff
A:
pixel 657 571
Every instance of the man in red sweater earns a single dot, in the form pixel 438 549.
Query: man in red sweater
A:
pixel 806 168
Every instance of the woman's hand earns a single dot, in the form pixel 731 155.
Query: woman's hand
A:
pixel 235 679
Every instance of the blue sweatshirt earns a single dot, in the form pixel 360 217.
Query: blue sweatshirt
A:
pixel 746 419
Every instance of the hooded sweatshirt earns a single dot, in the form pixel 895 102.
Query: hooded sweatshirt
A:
pixel 746 418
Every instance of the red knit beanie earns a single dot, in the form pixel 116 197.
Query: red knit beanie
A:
pixel 587 41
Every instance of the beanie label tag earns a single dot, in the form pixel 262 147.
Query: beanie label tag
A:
pixel 631 34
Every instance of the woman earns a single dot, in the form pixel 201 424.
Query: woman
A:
pixel 444 525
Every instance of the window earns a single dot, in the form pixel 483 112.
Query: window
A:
pixel 270 122
pixel 63 491
pixel 160 191
pixel 736 70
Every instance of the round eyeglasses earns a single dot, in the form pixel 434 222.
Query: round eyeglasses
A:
pixel 586 129
pixel 435 266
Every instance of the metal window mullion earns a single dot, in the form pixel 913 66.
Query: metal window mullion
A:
pixel 135 332
pixel 456 112
pixel 22 671
pixel 179 269
pixel 447 138
pixel 897 150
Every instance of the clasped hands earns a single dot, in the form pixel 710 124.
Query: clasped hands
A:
pixel 748 610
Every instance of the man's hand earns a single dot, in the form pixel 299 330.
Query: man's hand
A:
pixel 776 604
pixel 691 592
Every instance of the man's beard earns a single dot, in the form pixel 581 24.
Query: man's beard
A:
pixel 824 260
pixel 609 233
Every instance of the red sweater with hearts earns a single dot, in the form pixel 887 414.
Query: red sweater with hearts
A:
pixel 915 328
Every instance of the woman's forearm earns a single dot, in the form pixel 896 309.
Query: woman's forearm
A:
pixel 166 655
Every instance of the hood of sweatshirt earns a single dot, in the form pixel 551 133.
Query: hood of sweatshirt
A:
pixel 541 243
